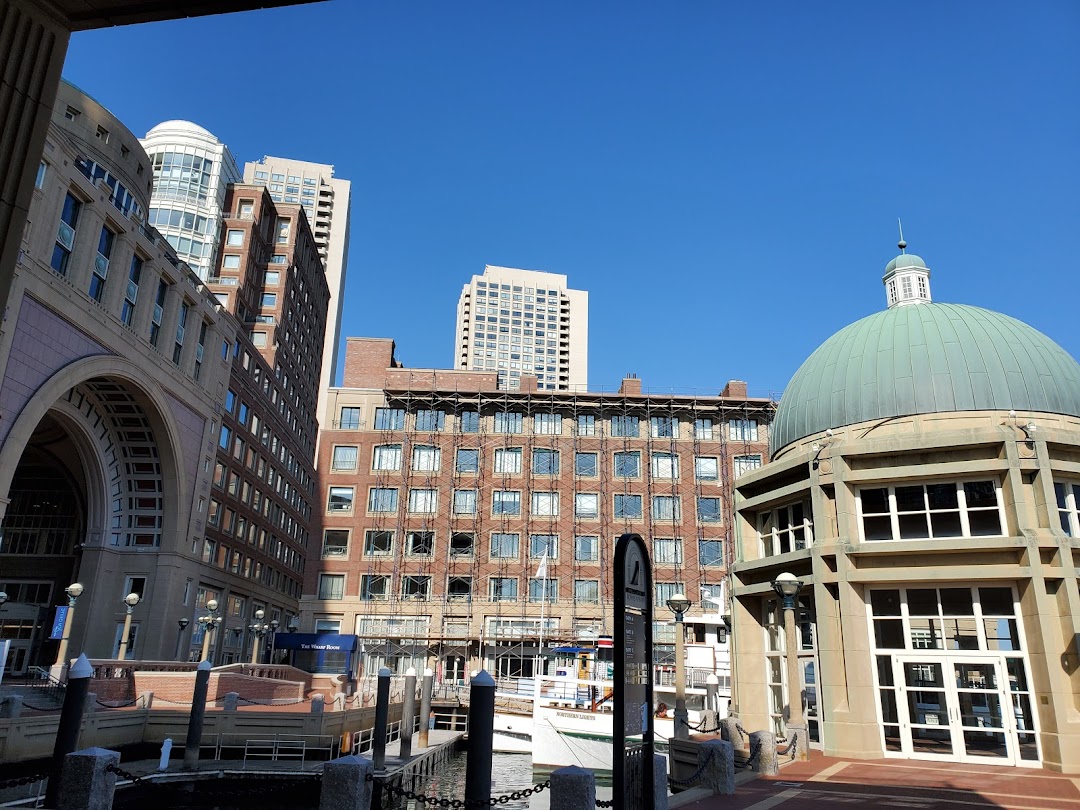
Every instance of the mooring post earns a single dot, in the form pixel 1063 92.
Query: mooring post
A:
pixel 712 684
pixel 86 783
pixel 71 717
pixel 573 788
pixel 198 714
pixel 347 784
pixel 481 732
pixel 425 706
pixel 763 743
pixel 717 758
pixel 382 719
pixel 408 714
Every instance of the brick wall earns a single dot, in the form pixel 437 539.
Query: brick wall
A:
pixel 178 687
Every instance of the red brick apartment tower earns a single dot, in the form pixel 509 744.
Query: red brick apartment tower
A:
pixel 441 495
pixel 263 490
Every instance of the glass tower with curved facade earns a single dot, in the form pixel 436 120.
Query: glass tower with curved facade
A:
pixel 192 170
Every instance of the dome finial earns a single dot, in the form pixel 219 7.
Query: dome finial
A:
pixel 901 244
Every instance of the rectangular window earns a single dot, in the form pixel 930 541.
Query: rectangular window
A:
pixel 503 589
pixel 65 234
pixel 131 293
pixel 462 544
pixel 786 528
pixel 350 419
pixel 586 425
pixel 544 545
pixel 430 421
pixel 545 504
pixel 469 421
pixel 335 543
pixel 505 503
pixel 416 587
pixel 585 465
pixel 586 505
pixel 420 544
pixel 665 465
pixel 382 499
pixel 39 180
pixel 344 458
pixel 706 468
pixel 331 586
pixel 509 422
pixel 703 429
pixel 545 462
pixel 504 546
pixel 587 591
pixel 586 548
pixel 100 271
pixel 181 327
pixel 386 457
pixel 423 501
pixel 543 590
pixel 547 424
pixel 664 427
pixel 374 587
pixel 625 426
pixel 425 458
pixel 708 510
pixel 745 464
pixel 666 507
pixel 159 308
pixel 931 511
pixel 389 419
pixel 459 589
pixel 710 552
pixel 464 501
pixel 234 238
pixel 508 460
pixel 668 550
pixel 378 543
pixel 666 590
pixel 467 460
pixel 1067 494
pixel 627 506
pixel 743 430
pixel 340 500
pixel 628 464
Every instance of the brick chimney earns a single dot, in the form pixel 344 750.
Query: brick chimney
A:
pixel 631 386
pixel 736 389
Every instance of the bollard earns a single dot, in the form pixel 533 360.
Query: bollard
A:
pixel 763 743
pixel 712 684
pixel 11 707
pixel 166 751
pixel 198 714
pixel 573 788
pixel 719 774
pixel 481 731
pixel 146 700
pixel 230 702
pixel 799 736
pixel 347 784
pixel 408 714
pixel 425 707
pixel 85 784
pixel 318 703
pixel 660 786
pixel 729 730
pixel 382 719
pixel 91 704
pixel 67 730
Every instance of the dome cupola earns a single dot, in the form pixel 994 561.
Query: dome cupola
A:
pixel 907 278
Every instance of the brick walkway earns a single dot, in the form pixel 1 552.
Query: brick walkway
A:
pixel 827 782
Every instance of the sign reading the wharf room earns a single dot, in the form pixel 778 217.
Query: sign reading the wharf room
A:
pixel 633 673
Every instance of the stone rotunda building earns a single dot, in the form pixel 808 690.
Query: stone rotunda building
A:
pixel 924 487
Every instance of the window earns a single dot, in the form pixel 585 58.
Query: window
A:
pixel 269 300
pixel 416 587
pixel 585 465
pixel 586 505
pixel 786 528
pixel 706 468
pixel 931 511
pixel 505 503
pixel 586 548
pixel 425 458
pixel 344 458
pixel 508 460
pixel 159 308
pixel 386 457
pixel 131 294
pixel 547 424
pixel 461 544
pixel 710 552
pixel 744 464
pixel 587 591
pixel 234 238
pixel 508 422
pixel 708 510
pixel 39 179
pixel 1068 506
pixel 331 586
pixel 374 587
pixel 350 419
pixel 503 589
pixel 743 430
pixel 666 590
pixel 467 460
pixel 664 427
pixel 378 543
pixel 430 421
pixel 545 504
pixel 666 507
pixel 65 234
pixel 628 464
pixel 665 465
pixel 389 419
pixel 469 421
pixel 544 545
pixel 100 271
pixel 545 462
pixel 624 426
pixel 464 501
pixel 419 544
pixel 668 550
pixel 504 546
pixel 627 506
pixel 341 499
pixel 382 499
pixel 423 501
pixel 335 543
pixel 459 589
pixel 543 590
pixel 283 227
pixel 703 429
pixel 586 425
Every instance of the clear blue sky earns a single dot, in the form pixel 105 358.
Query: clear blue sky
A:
pixel 724 178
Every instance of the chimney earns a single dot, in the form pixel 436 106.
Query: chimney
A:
pixel 631 386
pixel 736 389
pixel 527 384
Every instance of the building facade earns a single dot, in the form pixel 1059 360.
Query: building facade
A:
pixel 327 202
pixel 191 171
pixel 924 487
pixel 461 522
pixel 517 323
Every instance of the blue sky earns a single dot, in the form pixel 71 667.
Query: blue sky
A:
pixel 724 178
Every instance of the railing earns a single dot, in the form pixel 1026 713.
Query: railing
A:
pixel 43 683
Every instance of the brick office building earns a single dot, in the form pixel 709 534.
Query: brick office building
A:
pixel 442 498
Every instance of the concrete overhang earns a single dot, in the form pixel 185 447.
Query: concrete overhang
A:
pixel 83 15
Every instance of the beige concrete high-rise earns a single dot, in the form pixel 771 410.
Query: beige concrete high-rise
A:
pixel 326 201
pixel 520 322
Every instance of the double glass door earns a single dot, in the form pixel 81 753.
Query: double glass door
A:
pixel 957 708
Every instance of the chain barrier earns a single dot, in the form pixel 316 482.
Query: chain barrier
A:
pixel 437 801
pixel 41 708
pixel 701 726
pixel 693 779
pixel 273 701
pixel 794 747
pixel 750 762
pixel 257 788
pixel 117 705
pixel 742 731
pixel 19 781
pixel 608 803
pixel 171 702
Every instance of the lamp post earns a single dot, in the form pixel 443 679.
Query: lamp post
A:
pixel 182 625
pixel 73 591
pixel 131 600
pixel 787 587
pixel 679 604
pixel 260 629
pixel 209 623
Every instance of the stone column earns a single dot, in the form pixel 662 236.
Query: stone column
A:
pixel 346 784
pixel 573 788
pixel 317 704
pixel 231 701
pixel 763 743
pixel 85 784
pixel 719 775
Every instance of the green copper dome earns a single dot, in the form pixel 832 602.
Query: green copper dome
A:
pixel 905 260
pixel 928 358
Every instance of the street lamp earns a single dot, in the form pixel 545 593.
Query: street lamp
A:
pixel 73 591
pixel 131 600
pixel 209 623
pixel 260 629
pixel 787 587
pixel 679 604
pixel 182 624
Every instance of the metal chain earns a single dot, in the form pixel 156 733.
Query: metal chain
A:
pixel 436 801
pixel 41 708
pixel 740 729
pixel 609 803
pixel 114 768
pixel 690 782
pixel 794 745
pixel 273 701
pixel 117 705
pixel 25 780
pixel 262 786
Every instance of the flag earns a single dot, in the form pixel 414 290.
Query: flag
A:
pixel 541 570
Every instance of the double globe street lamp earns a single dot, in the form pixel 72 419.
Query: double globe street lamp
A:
pixel 679 604
pixel 73 591
pixel 787 587
pixel 131 600
pixel 260 629
pixel 210 622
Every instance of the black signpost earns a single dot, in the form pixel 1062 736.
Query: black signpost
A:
pixel 633 760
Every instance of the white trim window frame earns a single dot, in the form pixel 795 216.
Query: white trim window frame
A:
pixel 955 509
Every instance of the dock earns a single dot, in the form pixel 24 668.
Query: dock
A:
pixel 442 746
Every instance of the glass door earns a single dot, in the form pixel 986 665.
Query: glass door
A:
pixel 984 730
pixel 925 700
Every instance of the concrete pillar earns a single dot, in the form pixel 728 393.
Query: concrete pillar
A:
pixel 346 784
pixel 573 788
pixel 719 775
pixel 85 784
pixel 91 705
pixel 231 701
pixel 11 707
pixel 799 736
pixel 660 786
pixel 763 745
pixel 146 700
pixel 318 703
pixel 729 730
